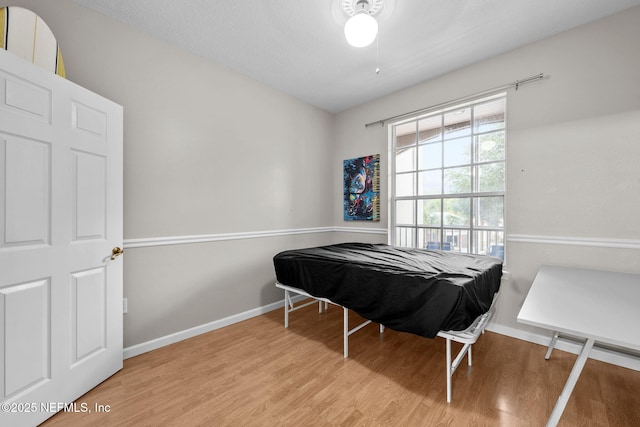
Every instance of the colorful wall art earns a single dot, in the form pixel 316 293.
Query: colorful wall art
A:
pixel 362 188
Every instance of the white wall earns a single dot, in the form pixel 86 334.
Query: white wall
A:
pixel 210 152
pixel 207 151
pixel 573 149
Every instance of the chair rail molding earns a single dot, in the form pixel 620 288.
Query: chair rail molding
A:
pixel 519 238
pixel 204 238
pixel 575 241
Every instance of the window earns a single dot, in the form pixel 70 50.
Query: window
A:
pixel 448 179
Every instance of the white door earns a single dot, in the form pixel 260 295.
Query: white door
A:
pixel 60 218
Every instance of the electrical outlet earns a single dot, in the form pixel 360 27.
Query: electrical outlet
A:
pixel 125 306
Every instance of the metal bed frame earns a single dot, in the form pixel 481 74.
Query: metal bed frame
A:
pixel 467 337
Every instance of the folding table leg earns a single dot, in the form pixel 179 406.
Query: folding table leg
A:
pixel 552 344
pixel 570 384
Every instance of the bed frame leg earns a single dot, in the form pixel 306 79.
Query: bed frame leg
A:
pixel 286 308
pixel 323 304
pixel 449 370
pixel 346 332
pixel 552 344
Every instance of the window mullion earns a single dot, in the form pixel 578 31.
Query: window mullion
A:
pixel 416 185
pixel 474 189
pixel 442 169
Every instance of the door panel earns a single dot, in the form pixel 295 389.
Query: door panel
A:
pixel 90 196
pixel 60 216
pixel 24 97
pixel 26 325
pixel 88 120
pixel 27 185
pixel 89 307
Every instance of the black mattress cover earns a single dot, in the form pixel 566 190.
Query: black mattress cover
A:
pixel 411 290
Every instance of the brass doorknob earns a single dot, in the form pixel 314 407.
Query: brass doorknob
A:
pixel 116 252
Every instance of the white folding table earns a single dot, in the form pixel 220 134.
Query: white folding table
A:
pixel 599 306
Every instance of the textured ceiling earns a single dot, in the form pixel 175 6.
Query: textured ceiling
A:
pixel 298 46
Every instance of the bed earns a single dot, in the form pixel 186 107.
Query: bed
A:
pixel 424 292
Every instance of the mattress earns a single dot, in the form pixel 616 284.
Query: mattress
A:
pixel 405 289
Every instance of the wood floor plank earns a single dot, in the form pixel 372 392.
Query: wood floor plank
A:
pixel 257 373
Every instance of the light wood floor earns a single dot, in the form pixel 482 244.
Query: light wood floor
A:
pixel 256 373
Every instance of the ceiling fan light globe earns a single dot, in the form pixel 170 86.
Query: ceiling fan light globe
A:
pixel 361 30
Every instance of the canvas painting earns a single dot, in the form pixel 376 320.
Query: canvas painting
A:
pixel 362 188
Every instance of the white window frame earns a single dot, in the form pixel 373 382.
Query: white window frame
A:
pixel 493 244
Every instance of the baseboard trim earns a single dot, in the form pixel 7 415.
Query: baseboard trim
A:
pixel 602 354
pixel 138 349
pixel 628 361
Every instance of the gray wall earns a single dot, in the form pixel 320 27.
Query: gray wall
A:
pixel 573 150
pixel 210 152
pixel 206 152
